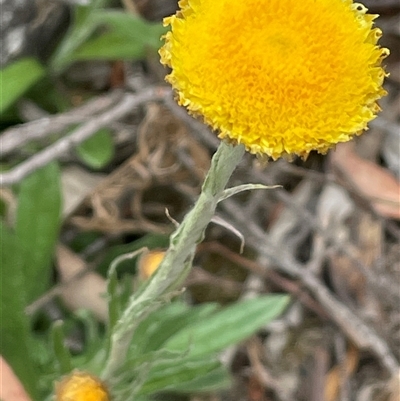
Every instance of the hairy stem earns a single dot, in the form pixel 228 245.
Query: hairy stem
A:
pixel 178 259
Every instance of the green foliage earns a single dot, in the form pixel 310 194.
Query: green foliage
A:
pixel 37 226
pixel 168 376
pixel 98 150
pixel 229 326
pixel 61 352
pixel 82 27
pixel 153 366
pixel 16 79
pixel 150 241
pixel 127 37
pixel 218 378
pixel 25 264
pixel 177 346
pixel 14 329
pixel 198 334
pixel 103 34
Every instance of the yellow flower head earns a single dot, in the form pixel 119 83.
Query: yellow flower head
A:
pixel 81 386
pixel 149 262
pixel 279 76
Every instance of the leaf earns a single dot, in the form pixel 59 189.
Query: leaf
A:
pixel 94 337
pixel 128 37
pixel 114 302
pixel 228 326
pixel 14 328
pixel 115 295
pixel 82 27
pixel 37 226
pixel 223 223
pixel 98 150
pixel 216 380
pixel 227 193
pixel 152 324
pixel 167 375
pixel 150 241
pixel 370 179
pixel 165 328
pixel 17 78
pixel 61 352
pixel 49 97
pixel 132 27
pixel 110 46
pixel 134 373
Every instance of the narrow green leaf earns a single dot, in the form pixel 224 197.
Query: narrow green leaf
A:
pixel 114 293
pixel 37 226
pixel 130 377
pixel 128 37
pixel 16 79
pixel 110 46
pixel 114 304
pixel 136 365
pixel 98 150
pixel 14 327
pixel 60 350
pixel 215 380
pixel 165 328
pixel 94 338
pixel 228 326
pixel 227 193
pixel 82 27
pixel 131 27
pixel 153 323
pixel 168 375
pixel 150 241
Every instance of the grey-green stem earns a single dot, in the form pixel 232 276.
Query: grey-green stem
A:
pixel 178 259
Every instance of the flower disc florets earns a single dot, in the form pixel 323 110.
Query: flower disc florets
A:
pixel 81 386
pixel 279 76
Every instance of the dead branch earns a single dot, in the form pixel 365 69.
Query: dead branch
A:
pixel 16 136
pixel 65 144
pixel 352 325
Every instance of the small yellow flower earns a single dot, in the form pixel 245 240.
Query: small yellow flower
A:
pixel 149 262
pixel 279 76
pixel 81 386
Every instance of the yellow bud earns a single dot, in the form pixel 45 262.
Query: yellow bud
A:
pixel 81 386
pixel 149 263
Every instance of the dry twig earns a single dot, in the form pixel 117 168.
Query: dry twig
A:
pixel 354 327
pixel 16 136
pixel 54 151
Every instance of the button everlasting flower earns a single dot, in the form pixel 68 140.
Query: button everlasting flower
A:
pixel 281 77
pixel 81 386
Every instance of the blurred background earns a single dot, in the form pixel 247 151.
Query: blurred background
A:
pixel 84 107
